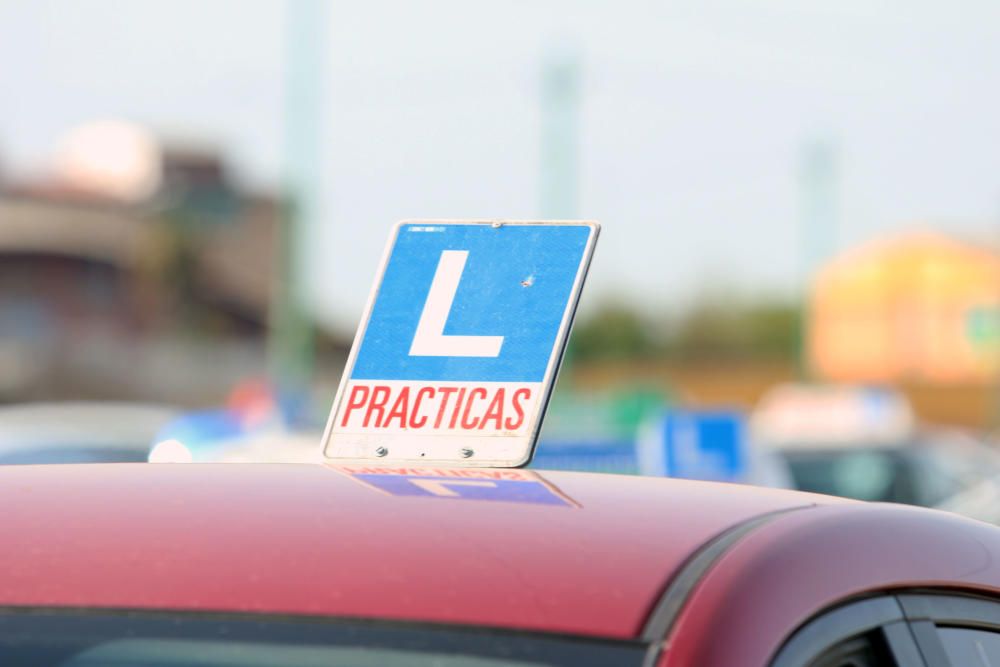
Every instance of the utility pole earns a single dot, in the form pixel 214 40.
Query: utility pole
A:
pixel 559 158
pixel 818 190
pixel 291 344
pixel 560 130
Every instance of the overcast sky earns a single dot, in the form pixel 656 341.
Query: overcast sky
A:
pixel 693 119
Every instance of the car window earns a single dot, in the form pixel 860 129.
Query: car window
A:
pixel 863 651
pixel 864 633
pixel 971 647
pixel 915 474
pixel 167 639
pixel 191 653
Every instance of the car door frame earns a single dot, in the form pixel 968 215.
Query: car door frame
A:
pixel 925 611
pixel 883 614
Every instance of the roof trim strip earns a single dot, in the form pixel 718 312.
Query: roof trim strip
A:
pixel 669 605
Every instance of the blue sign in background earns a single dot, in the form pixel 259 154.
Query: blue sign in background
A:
pixel 598 455
pixel 709 445
pixel 516 283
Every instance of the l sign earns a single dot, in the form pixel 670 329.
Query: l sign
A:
pixel 457 353
pixel 430 339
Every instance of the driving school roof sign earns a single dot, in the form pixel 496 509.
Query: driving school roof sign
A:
pixel 459 346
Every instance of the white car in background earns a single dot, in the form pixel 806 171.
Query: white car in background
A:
pixel 79 432
pixel 274 446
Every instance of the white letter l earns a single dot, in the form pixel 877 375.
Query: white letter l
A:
pixel 430 340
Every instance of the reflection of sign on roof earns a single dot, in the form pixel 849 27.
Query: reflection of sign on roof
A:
pixel 511 486
pixel 458 350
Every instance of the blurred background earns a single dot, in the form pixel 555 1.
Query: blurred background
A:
pixel 798 281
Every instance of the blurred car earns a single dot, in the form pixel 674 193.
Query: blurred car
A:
pixel 864 443
pixel 227 435
pixel 79 432
pixel 306 565
pixel 928 469
pixel 257 447
pixel 256 424
pixel 798 412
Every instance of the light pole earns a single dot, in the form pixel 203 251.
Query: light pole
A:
pixel 559 155
pixel 817 177
pixel 560 129
pixel 291 344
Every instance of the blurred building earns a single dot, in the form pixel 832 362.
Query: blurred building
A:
pixel 920 307
pixel 134 271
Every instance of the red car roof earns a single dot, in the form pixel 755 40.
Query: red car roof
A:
pixel 307 539
pixel 802 563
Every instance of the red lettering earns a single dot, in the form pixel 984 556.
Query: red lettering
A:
pixel 468 406
pixel 522 393
pixel 494 411
pixel 355 401
pixel 429 391
pixel 458 408
pixel 380 396
pixel 399 409
pixel 446 392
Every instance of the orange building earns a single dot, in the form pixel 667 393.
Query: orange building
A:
pixel 919 307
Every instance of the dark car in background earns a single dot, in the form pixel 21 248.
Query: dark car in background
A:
pixel 928 469
pixel 864 443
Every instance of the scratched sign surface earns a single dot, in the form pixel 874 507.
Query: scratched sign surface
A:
pixel 456 356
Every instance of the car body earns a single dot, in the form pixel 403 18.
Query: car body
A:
pixel 458 566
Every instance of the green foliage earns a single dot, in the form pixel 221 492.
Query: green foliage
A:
pixel 714 328
pixel 614 332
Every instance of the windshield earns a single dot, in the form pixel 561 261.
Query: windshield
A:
pixel 918 473
pixel 72 639
pixel 863 474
